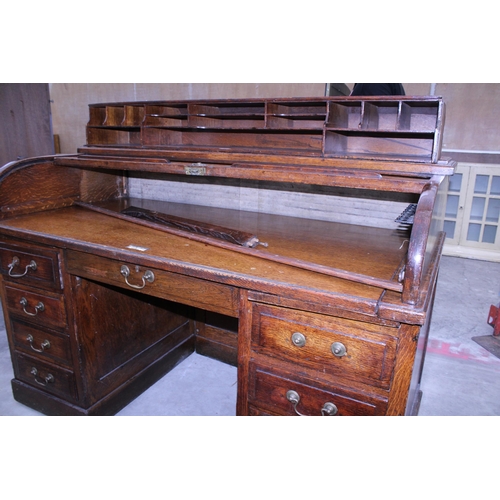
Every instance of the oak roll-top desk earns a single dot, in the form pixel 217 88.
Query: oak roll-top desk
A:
pixel 104 293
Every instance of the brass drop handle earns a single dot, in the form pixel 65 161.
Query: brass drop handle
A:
pixel 328 410
pixel 147 277
pixel 49 379
pixel 15 262
pixel 294 398
pixel 44 345
pixel 338 349
pixel 38 308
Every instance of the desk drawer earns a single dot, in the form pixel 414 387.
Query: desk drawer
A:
pixel 37 307
pixel 333 346
pixel 45 376
pixel 41 343
pixel 164 284
pixel 286 394
pixel 30 265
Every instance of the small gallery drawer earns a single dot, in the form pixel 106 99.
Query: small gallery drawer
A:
pixel 31 266
pixel 41 343
pixel 41 308
pixel 51 378
pixel 180 288
pixel 286 394
pixel 333 346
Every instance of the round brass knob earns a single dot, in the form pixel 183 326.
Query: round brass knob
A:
pixel 298 339
pixel 293 397
pixel 338 349
pixel 329 410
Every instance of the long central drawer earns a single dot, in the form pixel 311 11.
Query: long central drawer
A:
pixel 188 290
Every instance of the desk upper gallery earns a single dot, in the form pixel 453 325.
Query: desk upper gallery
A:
pixel 298 239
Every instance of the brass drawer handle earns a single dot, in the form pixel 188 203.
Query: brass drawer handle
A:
pixel 148 276
pixel 338 349
pixel 49 379
pixel 15 262
pixel 38 308
pixel 328 410
pixel 44 345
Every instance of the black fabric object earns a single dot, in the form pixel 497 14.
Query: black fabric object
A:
pixel 377 89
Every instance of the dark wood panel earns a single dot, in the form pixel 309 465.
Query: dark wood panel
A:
pixel 25 121
pixel 121 333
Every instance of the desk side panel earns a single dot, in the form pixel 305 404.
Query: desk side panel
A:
pixel 37 185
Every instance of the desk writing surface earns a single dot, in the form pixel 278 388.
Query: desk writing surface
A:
pixel 332 244
pixel 360 249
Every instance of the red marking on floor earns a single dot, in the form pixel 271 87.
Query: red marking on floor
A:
pixel 458 351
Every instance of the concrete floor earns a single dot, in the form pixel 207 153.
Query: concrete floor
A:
pixel 460 377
